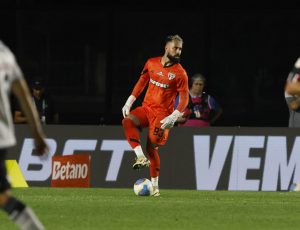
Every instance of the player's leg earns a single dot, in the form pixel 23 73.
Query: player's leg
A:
pixel 152 150
pixel 17 211
pixel 156 137
pixel 136 118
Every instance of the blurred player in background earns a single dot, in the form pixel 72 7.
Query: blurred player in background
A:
pixel 292 95
pixel 11 79
pixel 165 78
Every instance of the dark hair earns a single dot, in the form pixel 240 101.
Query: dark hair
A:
pixel 37 84
pixel 195 77
pixel 171 38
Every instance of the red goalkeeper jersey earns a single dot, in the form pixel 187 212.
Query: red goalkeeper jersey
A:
pixel 164 84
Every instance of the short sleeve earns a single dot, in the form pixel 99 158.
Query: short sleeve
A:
pixel 9 64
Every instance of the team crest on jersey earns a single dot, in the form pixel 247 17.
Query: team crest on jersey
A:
pixel 171 76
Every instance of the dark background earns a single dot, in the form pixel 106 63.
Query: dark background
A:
pixel 90 54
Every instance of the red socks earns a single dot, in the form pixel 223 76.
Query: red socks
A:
pixel 131 132
pixel 154 159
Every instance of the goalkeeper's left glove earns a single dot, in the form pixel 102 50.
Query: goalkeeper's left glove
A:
pixel 126 108
pixel 169 121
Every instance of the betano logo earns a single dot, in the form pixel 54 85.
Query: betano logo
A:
pixel 117 147
pixel 69 171
pixel 161 85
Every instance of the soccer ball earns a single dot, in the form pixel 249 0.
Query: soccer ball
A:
pixel 295 187
pixel 143 187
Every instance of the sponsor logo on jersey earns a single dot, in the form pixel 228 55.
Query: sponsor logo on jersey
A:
pixel 161 85
pixel 171 76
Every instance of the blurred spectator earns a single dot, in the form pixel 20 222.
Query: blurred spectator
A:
pixel 43 103
pixel 292 98
pixel 202 110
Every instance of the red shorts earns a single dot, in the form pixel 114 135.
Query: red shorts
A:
pixel 147 118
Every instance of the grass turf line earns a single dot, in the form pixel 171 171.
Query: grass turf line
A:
pixel 97 208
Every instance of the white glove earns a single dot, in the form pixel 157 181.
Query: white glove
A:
pixel 126 108
pixel 169 121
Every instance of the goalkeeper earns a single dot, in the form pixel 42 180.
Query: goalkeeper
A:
pixel 165 78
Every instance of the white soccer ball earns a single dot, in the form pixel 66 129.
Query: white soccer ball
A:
pixel 143 187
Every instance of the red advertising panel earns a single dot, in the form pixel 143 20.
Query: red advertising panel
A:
pixel 71 171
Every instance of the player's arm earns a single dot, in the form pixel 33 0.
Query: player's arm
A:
pixel 183 92
pixel 137 90
pixel 292 93
pixel 293 102
pixel 186 114
pixel 21 91
pixel 292 89
pixel 183 101
pixel 19 118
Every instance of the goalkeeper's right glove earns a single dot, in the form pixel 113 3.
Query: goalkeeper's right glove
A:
pixel 126 108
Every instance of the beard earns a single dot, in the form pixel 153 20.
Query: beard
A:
pixel 175 59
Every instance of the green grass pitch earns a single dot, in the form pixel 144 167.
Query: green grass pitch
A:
pixel 97 208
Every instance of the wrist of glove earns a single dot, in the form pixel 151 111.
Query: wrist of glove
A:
pixel 126 108
pixel 169 121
